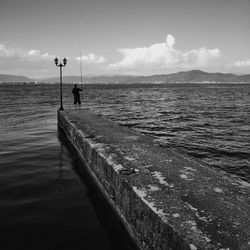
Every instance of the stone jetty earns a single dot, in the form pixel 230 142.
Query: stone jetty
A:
pixel 164 199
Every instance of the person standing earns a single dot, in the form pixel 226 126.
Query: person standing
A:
pixel 76 93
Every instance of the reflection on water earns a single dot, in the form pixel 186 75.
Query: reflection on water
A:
pixel 45 205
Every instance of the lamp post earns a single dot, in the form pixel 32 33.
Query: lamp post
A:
pixel 60 65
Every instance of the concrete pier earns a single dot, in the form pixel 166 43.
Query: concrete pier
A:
pixel 165 200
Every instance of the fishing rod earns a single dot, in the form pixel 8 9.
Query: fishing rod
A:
pixel 81 70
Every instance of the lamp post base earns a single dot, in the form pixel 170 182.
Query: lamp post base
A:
pixel 61 108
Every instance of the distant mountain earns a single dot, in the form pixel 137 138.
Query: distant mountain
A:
pixel 13 78
pixel 193 76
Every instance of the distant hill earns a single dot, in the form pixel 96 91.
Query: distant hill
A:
pixel 13 78
pixel 193 76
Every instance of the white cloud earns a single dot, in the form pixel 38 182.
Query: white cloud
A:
pixel 244 63
pixel 25 55
pixel 170 40
pixel 164 55
pixel 92 58
pixel 14 60
pixel 34 52
pixel 6 51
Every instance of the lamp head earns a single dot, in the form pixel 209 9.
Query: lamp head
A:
pixel 64 61
pixel 56 61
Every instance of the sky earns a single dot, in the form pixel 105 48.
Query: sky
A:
pixel 138 37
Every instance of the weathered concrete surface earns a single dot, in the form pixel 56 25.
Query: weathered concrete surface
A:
pixel 166 200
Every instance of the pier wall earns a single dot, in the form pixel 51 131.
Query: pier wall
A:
pixel 165 200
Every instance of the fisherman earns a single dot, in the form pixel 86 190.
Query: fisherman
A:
pixel 77 99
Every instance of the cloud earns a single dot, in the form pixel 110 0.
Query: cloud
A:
pixel 92 58
pixel 34 52
pixel 15 60
pixel 9 52
pixel 170 40
pixel 28 55
pixel 244 63
pixel 163 56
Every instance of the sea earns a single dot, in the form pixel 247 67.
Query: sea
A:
pixel 46 199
